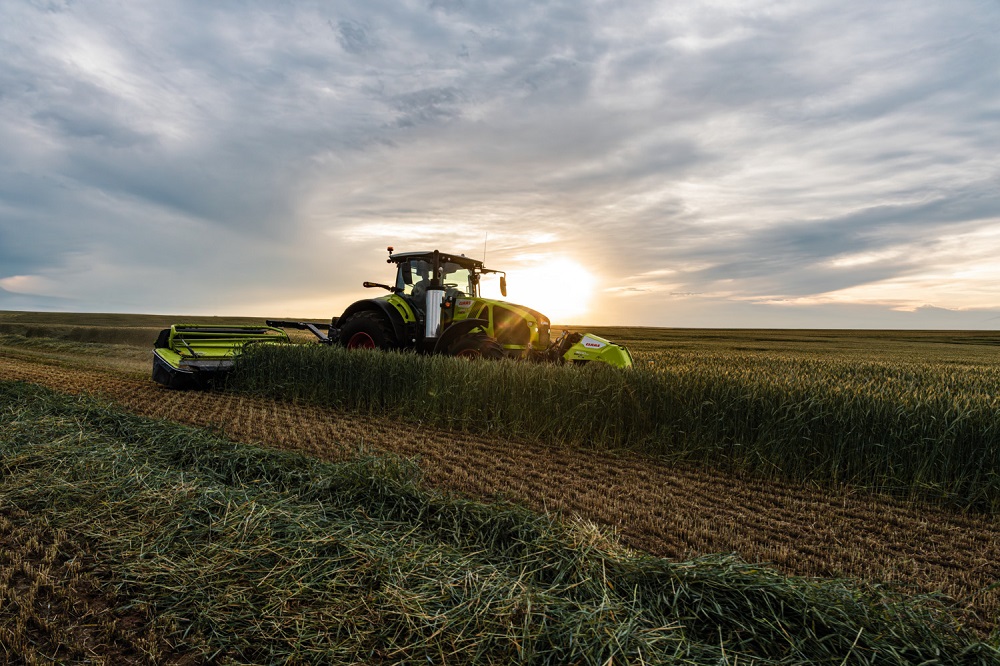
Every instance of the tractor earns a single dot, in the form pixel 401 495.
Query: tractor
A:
pixel 434 306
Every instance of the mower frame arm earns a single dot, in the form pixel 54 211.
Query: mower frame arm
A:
pixel 315 329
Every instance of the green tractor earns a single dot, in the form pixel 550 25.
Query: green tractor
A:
pixel 435 307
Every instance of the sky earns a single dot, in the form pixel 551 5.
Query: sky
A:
pixel 744 164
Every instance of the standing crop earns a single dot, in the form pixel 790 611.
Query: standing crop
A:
pixel 905 427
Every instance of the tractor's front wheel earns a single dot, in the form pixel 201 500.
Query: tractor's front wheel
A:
pixel 367 330
pixel 477 345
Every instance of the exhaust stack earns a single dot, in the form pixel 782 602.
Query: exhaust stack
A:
pixel 432 309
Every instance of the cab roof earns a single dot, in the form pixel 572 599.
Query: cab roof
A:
pixel 460 259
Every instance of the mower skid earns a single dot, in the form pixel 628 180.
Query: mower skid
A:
pixel 315 329
pixel 177 374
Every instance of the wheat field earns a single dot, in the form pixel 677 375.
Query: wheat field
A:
pixel 680 507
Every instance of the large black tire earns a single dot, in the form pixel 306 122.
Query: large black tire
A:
pixel 477 345
pixel 368 330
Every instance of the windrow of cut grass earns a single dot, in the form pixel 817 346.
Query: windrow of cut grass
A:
pixel 259 556
pixel 133 330
pixel 67 346
pixel 927 430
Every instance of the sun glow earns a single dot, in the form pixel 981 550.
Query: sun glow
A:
pixel 558 287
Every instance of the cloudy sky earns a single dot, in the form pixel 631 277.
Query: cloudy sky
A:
pixel 736 164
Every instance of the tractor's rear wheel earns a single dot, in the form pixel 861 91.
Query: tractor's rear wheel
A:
pixel 477 345
pixel 367 330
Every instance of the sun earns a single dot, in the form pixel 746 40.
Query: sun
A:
pixel 558 287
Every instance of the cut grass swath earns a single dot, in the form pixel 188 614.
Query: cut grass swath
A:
pixel 266 556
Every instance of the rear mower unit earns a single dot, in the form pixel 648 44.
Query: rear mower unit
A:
pixel 190 356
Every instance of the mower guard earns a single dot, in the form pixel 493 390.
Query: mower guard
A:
pixel 593 348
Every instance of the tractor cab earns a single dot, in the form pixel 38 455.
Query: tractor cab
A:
pixel 457 276
pixel 415 275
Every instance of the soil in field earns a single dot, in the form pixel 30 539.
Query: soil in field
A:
pixel 666 509
pixel 57 605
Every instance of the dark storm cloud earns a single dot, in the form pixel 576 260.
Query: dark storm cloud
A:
pixel 430 105
pixel 96 127
pixel 798 258
pixel 801 243
pixel 354 37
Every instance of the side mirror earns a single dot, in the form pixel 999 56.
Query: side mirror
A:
pixel 503 285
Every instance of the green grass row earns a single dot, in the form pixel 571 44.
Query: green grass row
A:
pixel 134 337
pixel 133 330
pixel 259 556
pixel 929 430
pixel 73 347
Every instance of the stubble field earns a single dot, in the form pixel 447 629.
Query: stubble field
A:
pixel 663 506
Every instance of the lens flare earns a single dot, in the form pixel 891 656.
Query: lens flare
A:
pixel 558 287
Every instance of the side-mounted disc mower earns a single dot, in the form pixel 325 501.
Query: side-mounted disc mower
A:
pixel 193 356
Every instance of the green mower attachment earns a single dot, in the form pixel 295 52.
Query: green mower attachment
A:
pixel 192 356
pixel 589 347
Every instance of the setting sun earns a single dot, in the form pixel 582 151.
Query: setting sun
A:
pixel 558 287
